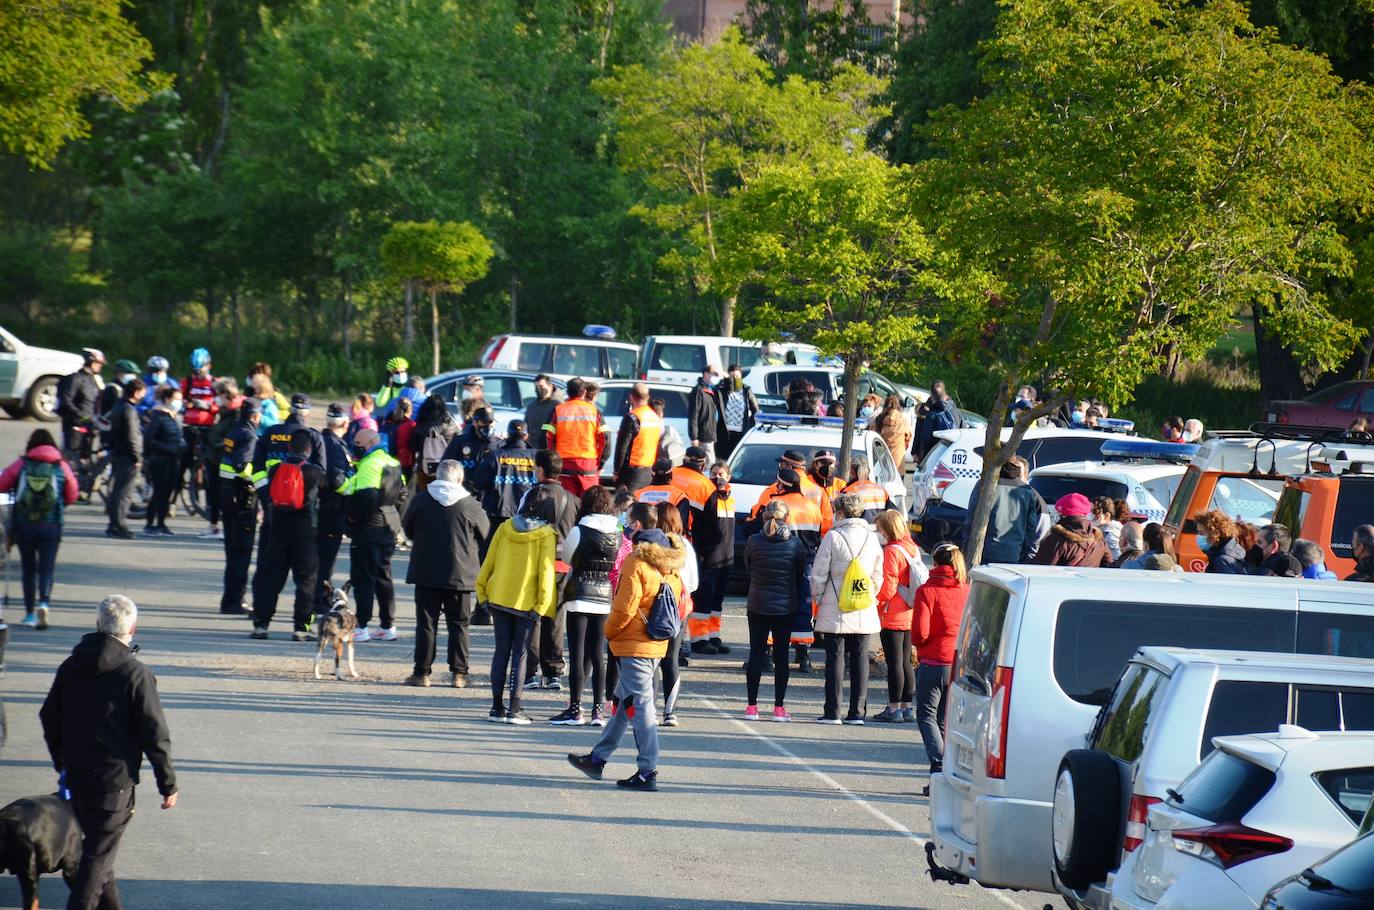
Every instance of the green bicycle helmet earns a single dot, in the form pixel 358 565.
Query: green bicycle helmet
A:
pixel 126 366
pixel 397 364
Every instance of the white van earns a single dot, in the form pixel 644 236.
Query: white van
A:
pixel 1039 651
pixel 681 358
pixel 590 356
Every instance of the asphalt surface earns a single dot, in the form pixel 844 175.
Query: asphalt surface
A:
pixel 305 793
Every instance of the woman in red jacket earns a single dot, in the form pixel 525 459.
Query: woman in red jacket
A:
pixel 935 624
pixel 44 487
pixel 903 574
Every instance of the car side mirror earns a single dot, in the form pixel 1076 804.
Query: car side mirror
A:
pixel 908 402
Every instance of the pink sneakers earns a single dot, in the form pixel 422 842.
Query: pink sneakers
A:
pixel 751 712
pixel 780 715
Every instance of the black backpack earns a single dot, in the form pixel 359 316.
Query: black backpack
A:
pixel 663 622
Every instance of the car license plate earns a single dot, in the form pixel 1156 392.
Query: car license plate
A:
pixel 963 760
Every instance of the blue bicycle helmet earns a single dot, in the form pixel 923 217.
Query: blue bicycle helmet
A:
pixel 157 362
pixel 199 358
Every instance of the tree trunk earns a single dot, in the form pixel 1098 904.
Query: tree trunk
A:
pixel 1280 375
pixel 434 326
pixel 727 316
pixel 514 301
pixel 853 363
pixel 346 315
pixel 409 323
pixel 236 323
pixel 605 42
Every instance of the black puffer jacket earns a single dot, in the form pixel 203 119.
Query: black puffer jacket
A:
pixel 103 715
pixel 162 436
pixel 125 439
pixel 1226 558
pixel 776 566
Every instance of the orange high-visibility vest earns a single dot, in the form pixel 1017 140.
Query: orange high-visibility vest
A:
pixel 661 493
pixel 813 492
pixel 576 426
pixel 696 485
pixel 833 488
pixel 803 515
pixel 872 495
pixel 644 449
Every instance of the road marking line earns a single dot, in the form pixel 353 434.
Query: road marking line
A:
pixel 838 787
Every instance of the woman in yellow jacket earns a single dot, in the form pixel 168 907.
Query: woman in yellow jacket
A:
pixel 517 583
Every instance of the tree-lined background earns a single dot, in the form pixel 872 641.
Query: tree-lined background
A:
pixel 1174 215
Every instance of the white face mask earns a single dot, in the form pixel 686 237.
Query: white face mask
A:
pixel 125 378
pixel 399 379
pixel 471 392
pixel 159 378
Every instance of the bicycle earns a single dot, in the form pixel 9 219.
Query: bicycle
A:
pixel 191 488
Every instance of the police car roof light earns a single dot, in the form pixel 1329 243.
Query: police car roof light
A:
pixel 1148 449
pixel 1115 425
pixel 804 420
pixel 601 332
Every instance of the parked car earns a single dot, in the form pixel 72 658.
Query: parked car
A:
pixel 1258 809
pixel 29 376
pixel 1165 710
pixel 1342 881
pixel 1336 406
pixel 1328 503
pixel 1143 473
pixel 590 356
pixel 681 358
pixel 1063 636
pixel 507 392
pixel 944 481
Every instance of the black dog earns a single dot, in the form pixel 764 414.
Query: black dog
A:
pixel 38 835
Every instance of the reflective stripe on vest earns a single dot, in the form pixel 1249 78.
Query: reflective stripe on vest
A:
pixel 872 495
pixel 576 425
pixel 662 493
pixel 644 449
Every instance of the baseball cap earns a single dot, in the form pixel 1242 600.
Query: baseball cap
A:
pixel 663 465
pixel 335 411
pixel 300 402
pixel 366 439
pixel 516 427
pixel 792 457
pixel 695 453
pixel 482 416
pixel 1073 505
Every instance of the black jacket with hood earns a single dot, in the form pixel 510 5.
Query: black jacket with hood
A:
pixel 447 528
pixel 103 715
pixel 776 565
pixel 1227 557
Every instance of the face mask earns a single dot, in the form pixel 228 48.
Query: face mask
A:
pixel 1254 555
pixel 825 469
pixel 867 411
pixel 737 382
pixel 125 378
pixel 721 482
pixel 398 379
pixel 469 394
pixel 159 378
pixel 359 451
pixel 624 519
pixel 1202 543
pixel 176 406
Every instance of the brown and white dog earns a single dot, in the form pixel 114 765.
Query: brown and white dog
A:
pixel 335 629
pixel 38 835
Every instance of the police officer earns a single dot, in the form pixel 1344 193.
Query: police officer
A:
pixel 372 494
pixel 293 498
pixel 504 477
pixel 238 504
pixel 338 464
pixel 471 447
pixel 272 449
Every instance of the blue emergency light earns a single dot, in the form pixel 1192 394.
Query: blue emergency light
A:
pixel 805 420
pixel 1148 450
pixel 1115 425
pixel 601 332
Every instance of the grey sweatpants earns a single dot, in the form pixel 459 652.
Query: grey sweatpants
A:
pixel 635 687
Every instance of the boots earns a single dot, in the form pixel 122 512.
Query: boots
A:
pixel 803 659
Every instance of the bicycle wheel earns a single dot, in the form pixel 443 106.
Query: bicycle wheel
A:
pixel 193 491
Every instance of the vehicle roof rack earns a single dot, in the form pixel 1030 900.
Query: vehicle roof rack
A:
pixel 1311 434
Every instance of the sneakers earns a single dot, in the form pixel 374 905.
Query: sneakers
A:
pixel 533 683
pixel 553 684
pixel 211 533
pixel 669 720
pixel 780 715
pixel 30 620
pixel 571 717
pixel 418 680
pixel 587 765
pixel 682 660
pixel 854 720
pixel 151 531
pixel 259 632
pixel 751 712
pixel 361 634
pixel 598 717
pixel 889 716
pixel 385 634
pixel 829 721
pixel 497 715
pixel 165 531
pixel 518 718
pixel 302 636
pixel 640 781
pixel 908 715
pixel 459 681
pixel 119 533
pixel 720 646
pixel 703 647
pixel 804 663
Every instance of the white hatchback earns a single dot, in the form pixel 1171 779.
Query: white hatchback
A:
pixel 1257 810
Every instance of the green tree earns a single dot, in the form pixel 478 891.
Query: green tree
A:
pixel 1131 176
pixel 55 54
pixel 436 257
pixel 711 118
pixel 845 263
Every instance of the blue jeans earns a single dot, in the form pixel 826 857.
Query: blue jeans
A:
pixel 38 555
pixel 635 687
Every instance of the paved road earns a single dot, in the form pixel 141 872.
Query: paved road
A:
pixel 305 793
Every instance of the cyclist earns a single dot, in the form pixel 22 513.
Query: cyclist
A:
pixel 77 398
pixel 154 379
pixel 198 392
pixel 396 369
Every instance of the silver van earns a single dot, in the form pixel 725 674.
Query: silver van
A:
pixel 1040 649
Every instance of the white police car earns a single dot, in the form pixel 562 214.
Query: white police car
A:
pixel 1144 473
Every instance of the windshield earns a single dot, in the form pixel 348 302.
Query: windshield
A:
pixel 757 463
pixel 1052 487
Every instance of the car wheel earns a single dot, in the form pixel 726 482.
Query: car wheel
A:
pixel 41 402
pixel 1086 825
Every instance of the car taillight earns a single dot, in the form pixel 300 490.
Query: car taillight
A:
pixel 495 352
pixel 999 718
pixel 643 376
pixel 942 478
pixel 1229 844
pixel 1135 821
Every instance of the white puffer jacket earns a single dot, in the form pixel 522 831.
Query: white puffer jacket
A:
pixel 848 540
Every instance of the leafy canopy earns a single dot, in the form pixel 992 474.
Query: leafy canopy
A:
pixel 54 54
pixel 439 256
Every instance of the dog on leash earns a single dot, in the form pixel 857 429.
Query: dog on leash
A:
pixel 39 835
pixel 335 630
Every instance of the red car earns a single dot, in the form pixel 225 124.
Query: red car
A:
pixel 1335 407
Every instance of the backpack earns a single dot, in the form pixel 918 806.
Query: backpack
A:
pixel 856 589
pixel 38 497
pixel 663 622
pixel 940 420
pixel 917 573
pixel 287 491
pixel 432 450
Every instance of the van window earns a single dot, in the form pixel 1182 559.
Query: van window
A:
pixel 674 405
pixel 1178 508
pixel 1094 639
pixel 1343 634
pixel 746 355
pixel 612 402
pixel 1252 500
pixel 980 639
pixel 1243 706
pixel 1357 710
pixel 577 360
pixel 779 382
pixel 1317 709
pixel 1354 507
pixel 1351 789
pixel 688 358
pixel 1052 487
pixel 1292 508
pixel 1139 693
pixel 532 356
pixel 1059 449
pixel 622 362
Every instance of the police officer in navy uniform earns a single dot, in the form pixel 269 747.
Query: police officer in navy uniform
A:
pixel 273 447
pixel 473 445
pixel 338 464
pixel 293 546
pixel 238 505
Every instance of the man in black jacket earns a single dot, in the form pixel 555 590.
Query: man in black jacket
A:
pixel 472 445
pixel 101 717
pixel 448 528
pixel 294 504
pixel 703 412
pixel 546 644
pixel 329 532
pixel 539 413
pixel 238 504
pixel 79 393
pixel 126 450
